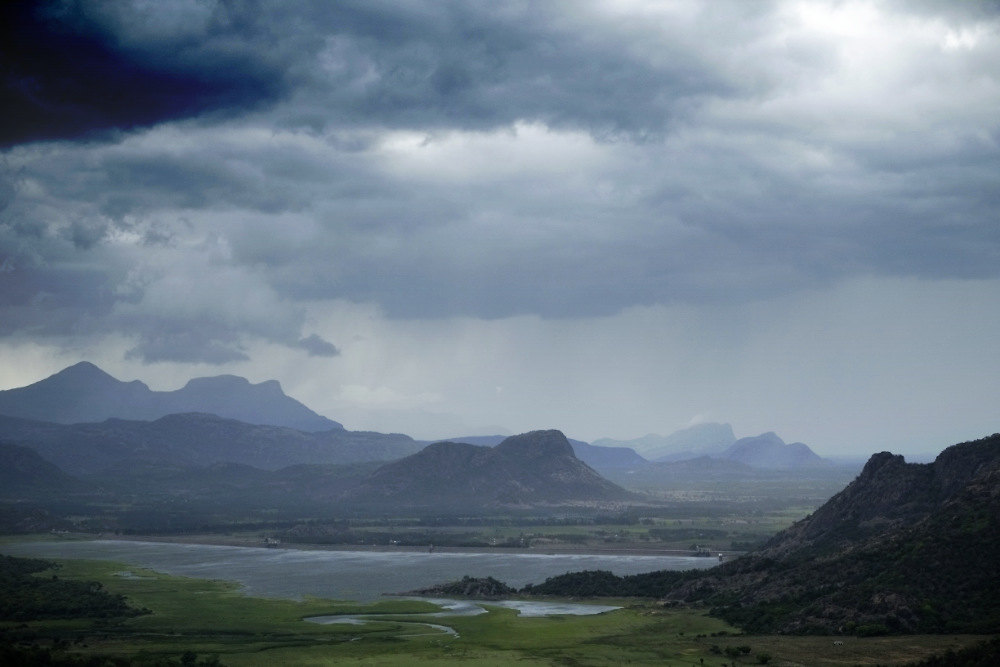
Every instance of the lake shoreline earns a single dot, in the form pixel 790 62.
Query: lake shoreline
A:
pixel 337 572
pixel 230 541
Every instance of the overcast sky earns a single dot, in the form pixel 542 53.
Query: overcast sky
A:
pixel 450 218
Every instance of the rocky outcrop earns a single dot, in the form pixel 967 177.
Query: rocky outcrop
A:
pixel 477 588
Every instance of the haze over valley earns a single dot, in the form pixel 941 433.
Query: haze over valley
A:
pixel 130 442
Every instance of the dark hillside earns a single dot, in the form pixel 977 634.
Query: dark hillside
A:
pixel 197 439
pixel 25 474
pixel 904 548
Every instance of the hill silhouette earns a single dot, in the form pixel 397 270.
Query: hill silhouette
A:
pixel 85 393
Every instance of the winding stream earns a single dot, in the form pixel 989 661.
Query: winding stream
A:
pixel 469 608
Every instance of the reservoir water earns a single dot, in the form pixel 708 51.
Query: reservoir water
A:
pixel 342 575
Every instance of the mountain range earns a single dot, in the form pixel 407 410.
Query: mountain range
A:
pixel 197 439
pixel 152 466
pixel 85 393
pixel 699 440
pixel 208 454
pixel 61 424
pixel 719 442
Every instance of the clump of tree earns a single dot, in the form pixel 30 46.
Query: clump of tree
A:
pixel 482 588
pixel 37 656
pixel 27 597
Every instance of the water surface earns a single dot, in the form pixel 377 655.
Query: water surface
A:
pixel 342 575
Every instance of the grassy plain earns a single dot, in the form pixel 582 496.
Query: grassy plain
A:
pixel 215 618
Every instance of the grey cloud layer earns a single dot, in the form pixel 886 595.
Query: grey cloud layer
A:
pixel 562 159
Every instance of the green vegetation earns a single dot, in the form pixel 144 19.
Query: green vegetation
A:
pixel 205 623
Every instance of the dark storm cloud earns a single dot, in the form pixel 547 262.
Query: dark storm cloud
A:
pixel 77 68
pixel 486 65
pixel 589 158
pixel 199 344
pixel 69 70
pixel 317 347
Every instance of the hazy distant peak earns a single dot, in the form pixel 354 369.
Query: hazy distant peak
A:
pixel 767 450
pixel 768 439
pixel 708 438
pixel 86 374
pixel 85 393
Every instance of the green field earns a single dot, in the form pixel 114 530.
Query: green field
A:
pixel 214 618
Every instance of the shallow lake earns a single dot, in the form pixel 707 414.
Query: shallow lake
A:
pixel 342 575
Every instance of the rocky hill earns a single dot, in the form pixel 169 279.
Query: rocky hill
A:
pixel 536 468
pixel 85 393
pixel 904 548
pixel 770 451
pixel 197 439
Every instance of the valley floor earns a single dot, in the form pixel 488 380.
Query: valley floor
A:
pixel 213 618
